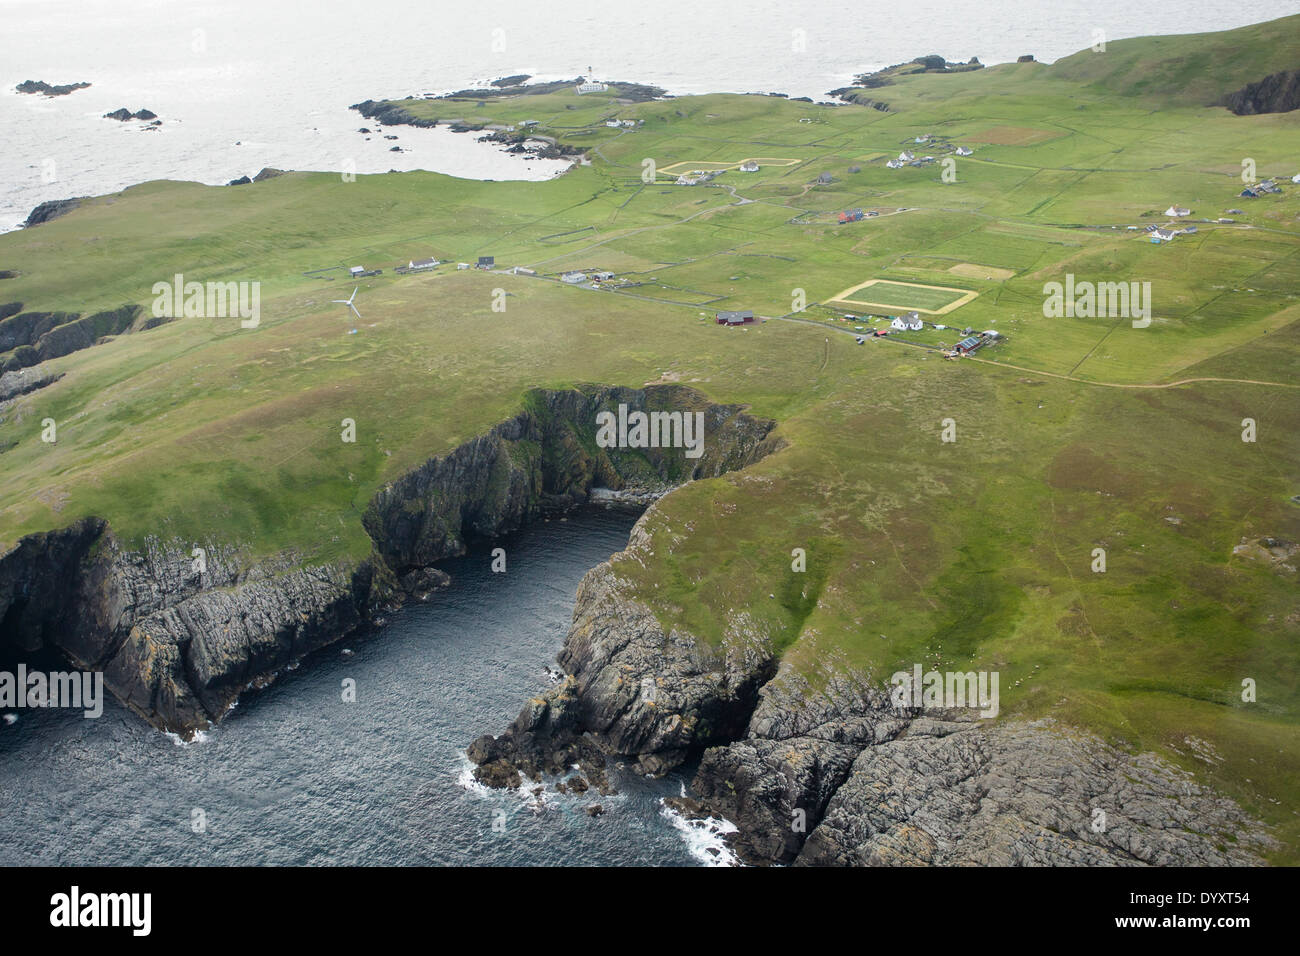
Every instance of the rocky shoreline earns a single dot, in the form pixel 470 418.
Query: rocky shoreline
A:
pixel 831 772
pixel 181 629
pixel 820 770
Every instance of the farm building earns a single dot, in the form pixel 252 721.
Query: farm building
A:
pixel 462 265
pixel 967 346
pixel 1178 211
pixel 420 265
pixel 602 276
pixel 851 215
pixel 486 262
pixel 735 318
pixel 574 278
pixel 749 166
pixel 910 322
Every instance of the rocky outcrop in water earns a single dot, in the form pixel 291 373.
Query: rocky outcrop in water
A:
pixel 124 115
pixel 179 636
pixel 48 89
pixel 1277 93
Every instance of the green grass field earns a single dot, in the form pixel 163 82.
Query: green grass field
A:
pixel 1072 433
pixel 899 295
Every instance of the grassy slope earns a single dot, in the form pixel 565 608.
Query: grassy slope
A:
pixel 1193 69
pixel 974 554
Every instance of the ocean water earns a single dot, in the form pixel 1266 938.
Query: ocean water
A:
pixel 296 776
pixel 243 84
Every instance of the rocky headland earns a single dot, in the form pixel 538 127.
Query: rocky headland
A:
pixel 181 629
pixel 829 771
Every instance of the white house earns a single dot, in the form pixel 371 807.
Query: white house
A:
pixel 591 88
pixel 1296 178
pixel 749 166
pixel 895 164
pixel 421 265
pixel 1177 211
pixel 906 156
pixel 898 322
pixel 964 151
pixel 914 323
pixel 615 124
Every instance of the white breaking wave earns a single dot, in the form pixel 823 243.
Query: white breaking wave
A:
pixel 705 838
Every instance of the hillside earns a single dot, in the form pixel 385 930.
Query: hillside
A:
pixel 1197 69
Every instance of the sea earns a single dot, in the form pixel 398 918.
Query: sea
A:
pixel 245 84
pixel 296 775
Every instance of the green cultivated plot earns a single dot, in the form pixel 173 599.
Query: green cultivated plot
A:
pixel 1073 433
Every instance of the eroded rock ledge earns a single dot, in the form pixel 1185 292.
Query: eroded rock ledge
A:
pixel 829 772
pixel 179 639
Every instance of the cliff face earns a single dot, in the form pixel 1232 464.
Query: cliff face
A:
pixel 546 459
pixel 178 640
pixel 1277 93
pixel 176 645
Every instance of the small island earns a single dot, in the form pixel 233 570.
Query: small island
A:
pixel 47 89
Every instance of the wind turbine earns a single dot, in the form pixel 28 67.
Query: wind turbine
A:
pixel 349 302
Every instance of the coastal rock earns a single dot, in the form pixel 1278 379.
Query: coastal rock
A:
pixel 40 86
pixel 51 209
pixel 30 338
pixel 545 460
pixel 633 689
pixel 179 637
pixel 1277 93
pixel 22 381
pixel 1016 794
pixel 123 115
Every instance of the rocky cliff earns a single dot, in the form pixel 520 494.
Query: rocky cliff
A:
pixel 1277 93
pixel 830 772
pixel 180 635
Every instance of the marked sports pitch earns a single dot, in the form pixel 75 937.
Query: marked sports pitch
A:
pixel 890 294
pixel 676 169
